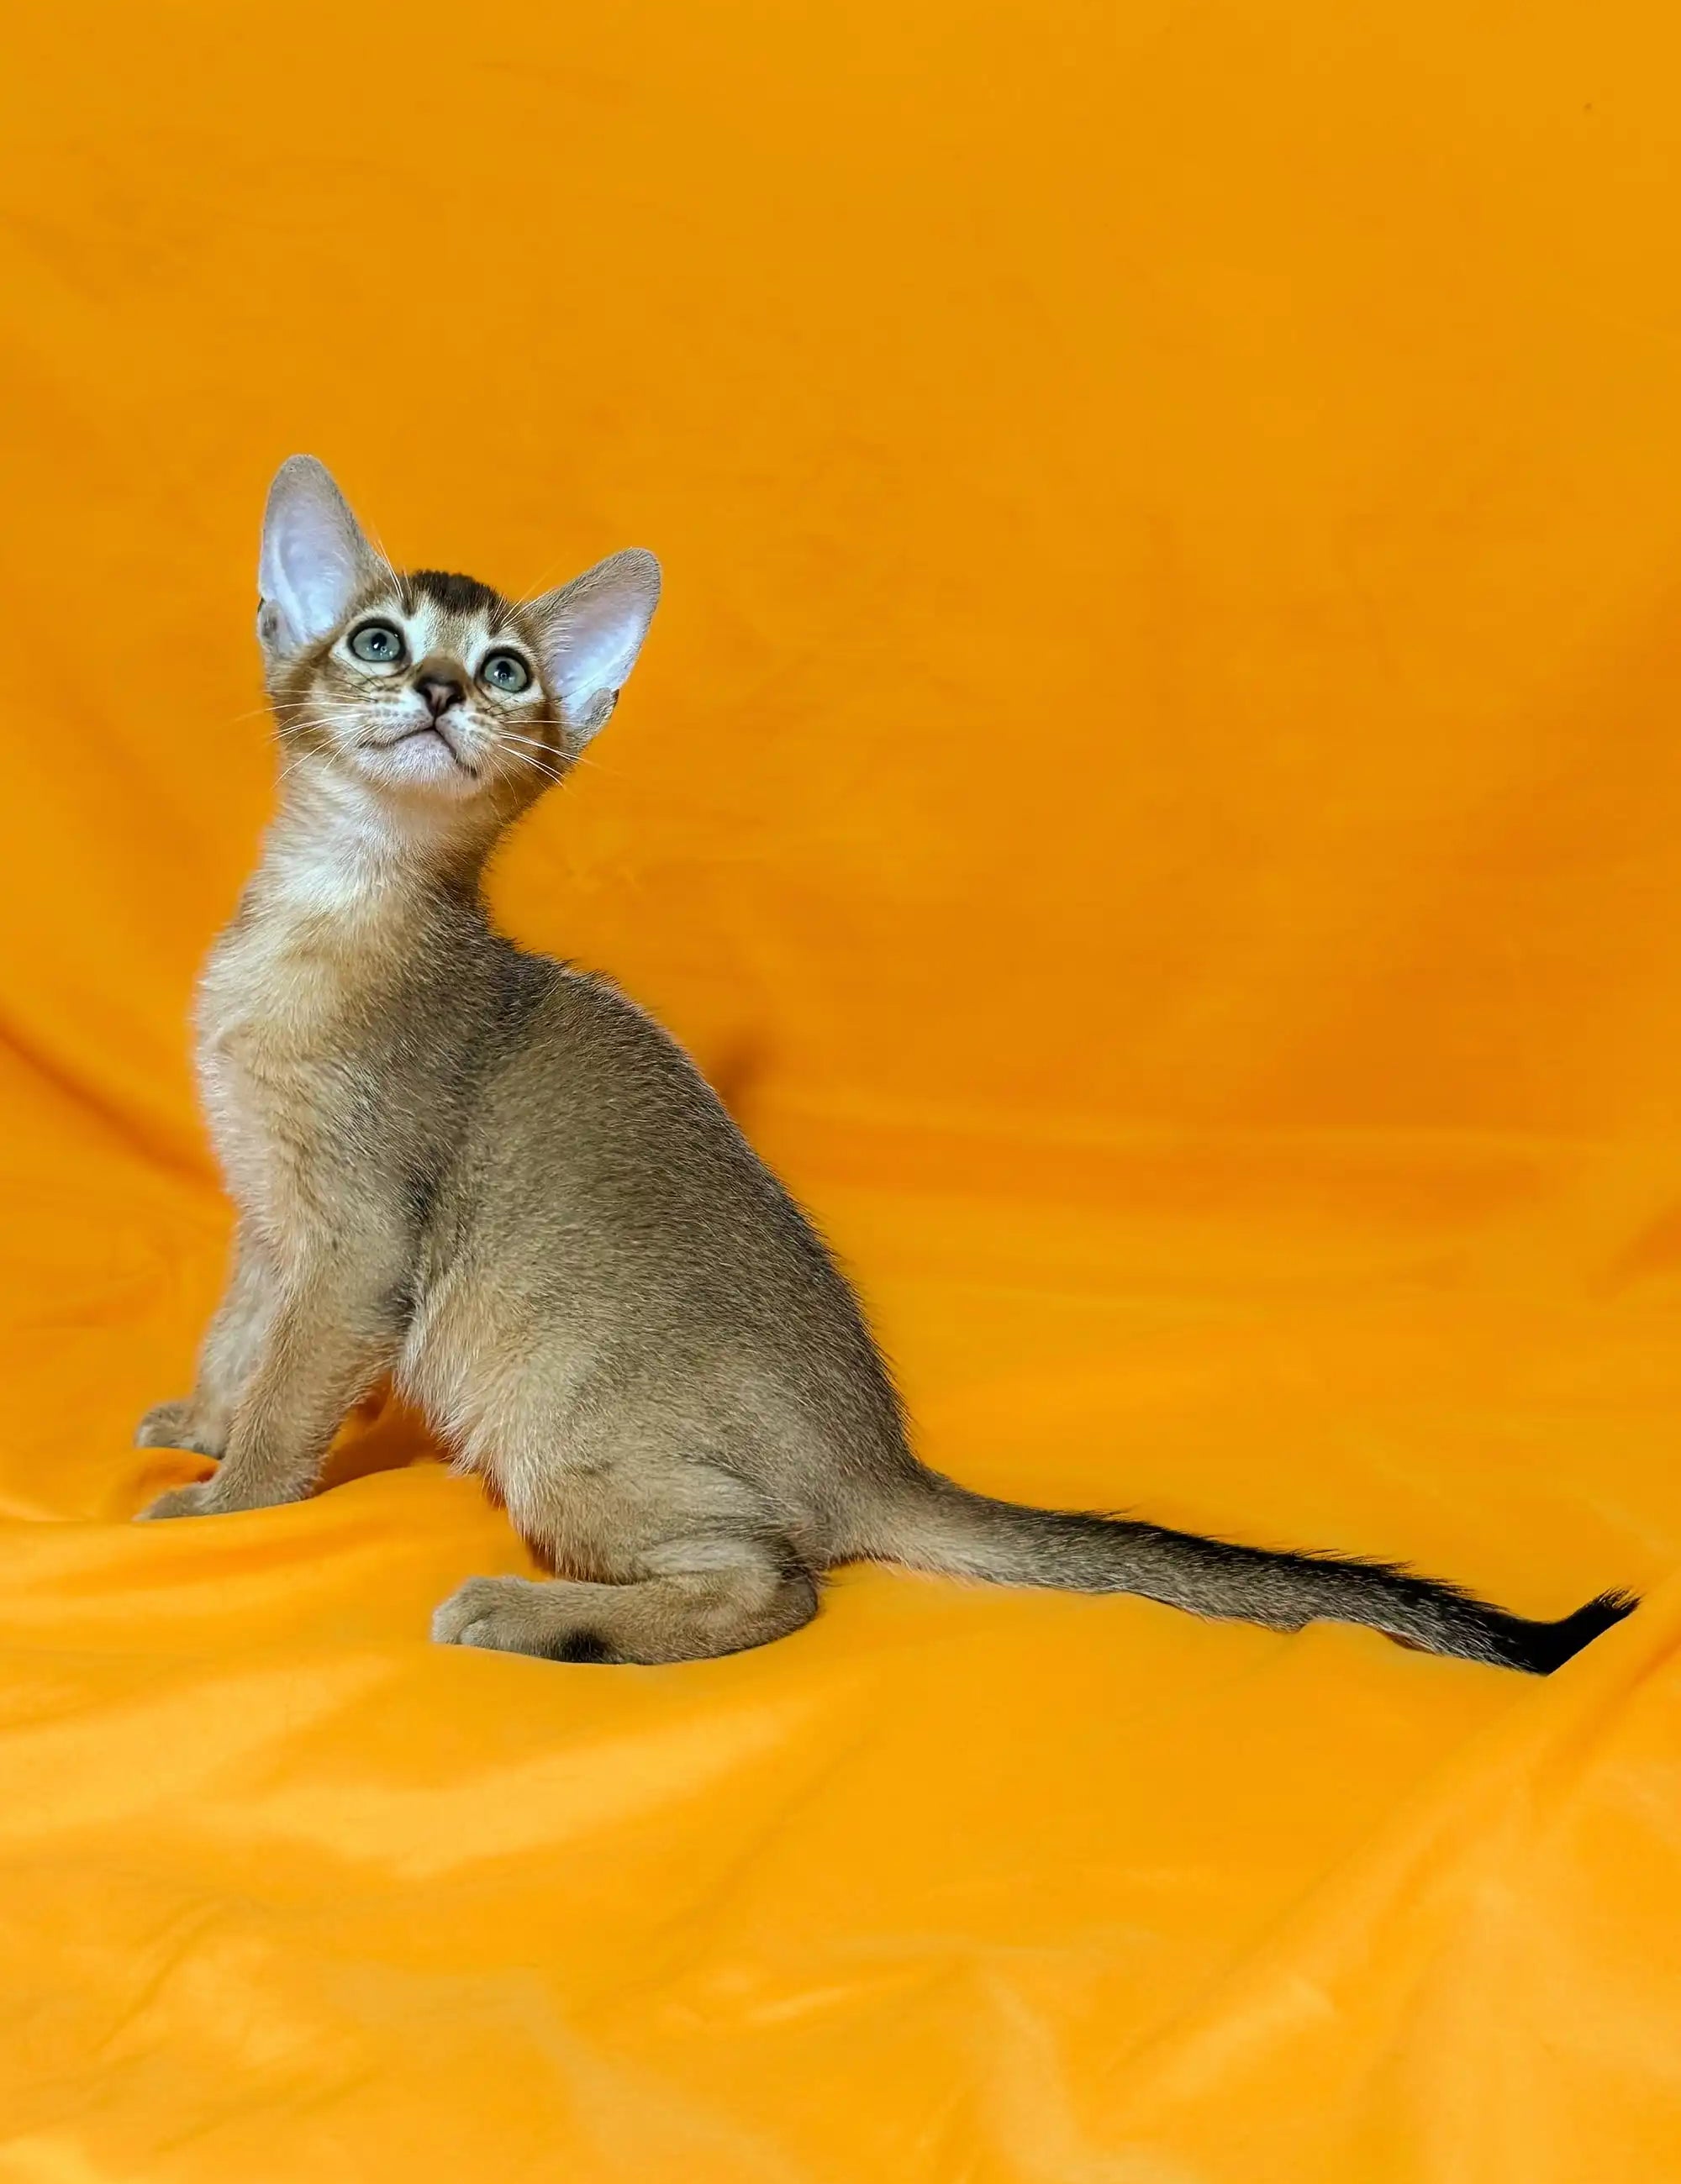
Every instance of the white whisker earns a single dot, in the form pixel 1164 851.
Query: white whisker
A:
pixel 537 766
pixel 531 742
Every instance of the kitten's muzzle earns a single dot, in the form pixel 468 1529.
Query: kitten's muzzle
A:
pixel 440 683
pixel 434 731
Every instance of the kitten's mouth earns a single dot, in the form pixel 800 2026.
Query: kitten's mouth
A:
pixel 434 730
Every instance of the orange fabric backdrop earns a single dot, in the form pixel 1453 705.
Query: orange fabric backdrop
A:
pixel 1154 792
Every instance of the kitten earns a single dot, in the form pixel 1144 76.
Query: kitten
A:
pixel 494 1180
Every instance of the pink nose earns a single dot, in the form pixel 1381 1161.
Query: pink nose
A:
pixel 439 693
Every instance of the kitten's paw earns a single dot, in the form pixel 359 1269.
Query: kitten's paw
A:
pixel 501 1614
pixel 182 1501
pixel 176 1426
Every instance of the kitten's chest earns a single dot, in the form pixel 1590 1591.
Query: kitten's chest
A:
pixel 285 1062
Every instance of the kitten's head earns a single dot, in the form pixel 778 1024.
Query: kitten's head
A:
pixel 425 690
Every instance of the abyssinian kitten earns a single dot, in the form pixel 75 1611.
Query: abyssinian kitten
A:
pixel 493 1180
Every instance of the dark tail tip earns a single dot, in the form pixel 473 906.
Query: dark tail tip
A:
pixel 1541 1647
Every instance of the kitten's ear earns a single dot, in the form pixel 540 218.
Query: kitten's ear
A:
pixel 591 630
pixel 314 562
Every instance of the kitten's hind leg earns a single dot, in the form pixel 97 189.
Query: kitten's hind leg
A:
pixel 738 1593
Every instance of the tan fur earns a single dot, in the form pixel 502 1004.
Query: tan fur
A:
pixel 493 1180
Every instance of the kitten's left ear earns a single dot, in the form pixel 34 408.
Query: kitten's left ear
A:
pixel 314 562
pixel 591 630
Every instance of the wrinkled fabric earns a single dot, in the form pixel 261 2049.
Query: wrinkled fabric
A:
pixel 1153 793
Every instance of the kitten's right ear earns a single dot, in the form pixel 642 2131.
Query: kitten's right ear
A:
pixel 314 561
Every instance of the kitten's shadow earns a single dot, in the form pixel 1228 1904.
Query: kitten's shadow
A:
pixel 735 1069
pixel 382 1433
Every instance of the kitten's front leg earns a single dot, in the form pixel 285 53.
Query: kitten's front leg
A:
pixel 323 1344
pixel 226 1359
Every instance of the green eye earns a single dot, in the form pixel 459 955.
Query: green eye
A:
pixel 377 641
pixel 505 670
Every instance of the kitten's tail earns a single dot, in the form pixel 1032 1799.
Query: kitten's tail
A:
pixel 936 1525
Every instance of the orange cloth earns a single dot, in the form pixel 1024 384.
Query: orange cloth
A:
pixel 1155 792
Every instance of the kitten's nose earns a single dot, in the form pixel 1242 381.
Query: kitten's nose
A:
pixel 440 690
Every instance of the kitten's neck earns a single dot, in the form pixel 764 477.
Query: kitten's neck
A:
pixel 333 851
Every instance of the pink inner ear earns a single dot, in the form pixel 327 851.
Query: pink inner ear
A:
pixel 592 630
pixel 315 559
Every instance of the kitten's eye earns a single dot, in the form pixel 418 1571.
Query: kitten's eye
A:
pixel 505 670
pixel 378 642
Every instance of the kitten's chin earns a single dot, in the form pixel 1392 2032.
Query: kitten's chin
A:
pixel 423 762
